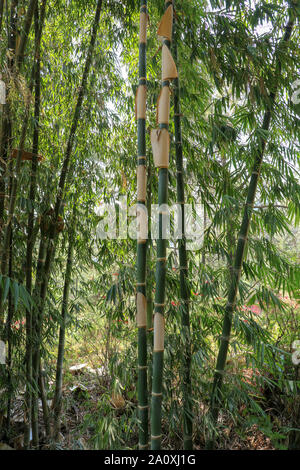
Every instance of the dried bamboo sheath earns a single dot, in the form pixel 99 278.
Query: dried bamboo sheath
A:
pixel 160 141
pixel 141 302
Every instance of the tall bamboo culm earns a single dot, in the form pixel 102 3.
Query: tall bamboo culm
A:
pixel 38 19
pixel 57 400
pixel 141 298
pixel 183 267
pixel 216 396
pixel 160 140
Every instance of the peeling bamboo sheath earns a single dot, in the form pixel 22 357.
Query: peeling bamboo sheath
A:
pixel 160 141
pixel 141 301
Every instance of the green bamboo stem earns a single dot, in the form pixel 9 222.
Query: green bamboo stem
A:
pixel 1 14
pixel 13 195
pixel 45 407
pixel 30 223
pixel 9 340
pixel 149 285
pixel 6 130
pixel 183 267
pixel 159 304
pixel 142 389
pixel 57 400
pixel 26 28
pixel 35 342
pixel 216 396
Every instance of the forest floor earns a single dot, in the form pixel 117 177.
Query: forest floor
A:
pixel 83 391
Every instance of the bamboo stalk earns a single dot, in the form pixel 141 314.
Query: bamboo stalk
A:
pixel 183 269
pixel 30 223
pixel 141 298
pixel 57 400
pixel 45 407
pixel 160 145
pixel 1 14
pixel 13 195
pixel 35 340
pixel 216 396
pixel 24 37
pixel 6 122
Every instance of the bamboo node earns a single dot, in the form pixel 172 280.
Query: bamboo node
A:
pixel 157 394
pixel 230 304
pixel 143 407
pixel 225 338
pixel 143 446
pixel 237 270
pixel 156 437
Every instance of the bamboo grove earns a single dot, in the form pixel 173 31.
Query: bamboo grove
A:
pixel 148 340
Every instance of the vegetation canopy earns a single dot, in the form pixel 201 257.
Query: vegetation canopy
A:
pixel 149 224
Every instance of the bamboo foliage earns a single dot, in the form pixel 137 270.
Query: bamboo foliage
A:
pixel 160 141
pixel 48 240
pixel 141 298
pixel 216 396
